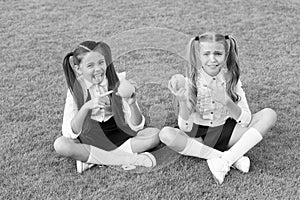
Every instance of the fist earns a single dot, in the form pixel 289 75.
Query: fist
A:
pixel 176 82
pixel 125 89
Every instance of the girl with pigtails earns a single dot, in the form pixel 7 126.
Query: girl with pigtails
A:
pixel 102 122
pixel 215 122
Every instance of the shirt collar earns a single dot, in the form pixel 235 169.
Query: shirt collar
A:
pixel 220 76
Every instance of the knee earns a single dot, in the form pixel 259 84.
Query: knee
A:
pixel 166 135
pixel 151 135
pixel 62 146
pixel 153 132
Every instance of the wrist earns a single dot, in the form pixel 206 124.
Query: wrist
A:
pixel 131 104
pixel 182 101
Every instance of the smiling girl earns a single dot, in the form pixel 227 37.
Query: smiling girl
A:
pixel 99 126
pixel 214 117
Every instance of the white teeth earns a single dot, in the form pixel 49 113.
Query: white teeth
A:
pixel 98 77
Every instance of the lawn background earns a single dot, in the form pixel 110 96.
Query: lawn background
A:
pixel 36 35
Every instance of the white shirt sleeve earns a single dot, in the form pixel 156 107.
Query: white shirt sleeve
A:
pixel 185 125
pixel 70 111
pixel 127 115
pixel 245 117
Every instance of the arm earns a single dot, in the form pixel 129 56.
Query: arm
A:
pixel 245 117
pixel 70 111
pixel 133 115
pixel 185 119
pixel 79 117
pixel 239 111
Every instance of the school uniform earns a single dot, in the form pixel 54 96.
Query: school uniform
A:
pixel 212 121
pixel 106 128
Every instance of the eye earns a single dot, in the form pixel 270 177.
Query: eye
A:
pixel 218 53
pixel 101 62
pixel 90 65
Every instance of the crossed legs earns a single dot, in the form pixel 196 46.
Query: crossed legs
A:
pixel 145 139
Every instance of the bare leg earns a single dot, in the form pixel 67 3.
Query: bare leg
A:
pixel 72 148
pixel 145 140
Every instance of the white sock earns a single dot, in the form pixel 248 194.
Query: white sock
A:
pixel 197 149
pixel 250 138
pixel 101 157
pixel 126 147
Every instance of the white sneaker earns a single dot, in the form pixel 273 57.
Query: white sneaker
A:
pixel 242 164
pixel 219 168
pixel 144 159
pixel 82 166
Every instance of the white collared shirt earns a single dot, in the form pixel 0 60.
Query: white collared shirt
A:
pixel 71 109
pixel 212 113
pixel 100 115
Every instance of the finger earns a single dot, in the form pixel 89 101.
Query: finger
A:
pixel 106 93
pixel 134 83
pixel 171 88
pixel 181 91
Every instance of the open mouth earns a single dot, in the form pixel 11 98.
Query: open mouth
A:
pixel 98 77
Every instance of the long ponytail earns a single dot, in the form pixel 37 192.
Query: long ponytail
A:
pixel 69 72
pixel 192 73
pixel 233 68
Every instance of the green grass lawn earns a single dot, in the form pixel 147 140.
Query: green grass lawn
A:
pixel 36 35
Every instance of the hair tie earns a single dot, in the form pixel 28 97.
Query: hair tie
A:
pixel 226 37
pixel 197 38
pixel 86 48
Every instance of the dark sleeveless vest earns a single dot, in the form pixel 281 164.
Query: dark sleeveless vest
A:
pixel 92 132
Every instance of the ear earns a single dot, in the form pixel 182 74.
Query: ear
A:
pixel 77 69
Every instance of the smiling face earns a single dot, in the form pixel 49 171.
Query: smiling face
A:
pixel 92 67
pixel 212 57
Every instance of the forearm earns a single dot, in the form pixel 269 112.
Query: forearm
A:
pixel 234 110
pixel 184 110
pixel 78 120
pixel 136 116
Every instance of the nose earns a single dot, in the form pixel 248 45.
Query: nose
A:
pixel 212 58
pixel 99 67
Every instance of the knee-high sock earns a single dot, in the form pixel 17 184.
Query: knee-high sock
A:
pixel 101 157
pixel 250 138
pixel 197 149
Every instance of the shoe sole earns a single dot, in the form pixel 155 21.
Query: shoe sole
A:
pixel 80 166
pixel 244 172
pixel 216 180
pixel 151 157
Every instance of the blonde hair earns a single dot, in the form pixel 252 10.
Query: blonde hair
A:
pixel 194 63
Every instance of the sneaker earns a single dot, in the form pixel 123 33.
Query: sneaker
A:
pixel 242 164
pixel 219 168
pixel 144 159
pixel 82 166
